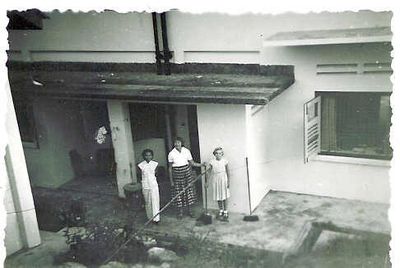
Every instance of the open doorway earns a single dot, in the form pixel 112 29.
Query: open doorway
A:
pixel 154 126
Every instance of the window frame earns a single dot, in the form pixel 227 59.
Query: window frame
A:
pixel 349 158
pixel 29 106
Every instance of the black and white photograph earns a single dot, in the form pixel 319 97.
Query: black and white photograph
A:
pixel 167 139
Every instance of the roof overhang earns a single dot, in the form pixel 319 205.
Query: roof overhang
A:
pixel 330 37
pixel 184 87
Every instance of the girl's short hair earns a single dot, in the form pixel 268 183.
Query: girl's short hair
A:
pixel 145 151
pixel 178 139
pixel 218 149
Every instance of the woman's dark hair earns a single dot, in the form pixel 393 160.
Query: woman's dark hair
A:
pixel 218 149
pixel 145 151
pixel 179 139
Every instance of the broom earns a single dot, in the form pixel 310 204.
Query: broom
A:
pixel 249 217
pixel 205 217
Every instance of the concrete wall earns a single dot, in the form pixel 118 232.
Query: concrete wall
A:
pixel 59 130
pixel 211 37
pixel 277 129
pixel 21 226
pixel 225 126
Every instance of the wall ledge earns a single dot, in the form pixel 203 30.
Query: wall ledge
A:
pixel 352 160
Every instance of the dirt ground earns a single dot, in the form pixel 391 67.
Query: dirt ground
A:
pixel 246 244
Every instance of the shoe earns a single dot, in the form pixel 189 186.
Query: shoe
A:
pixel 220 215
pixel 225 216
pixel 191 214
pixel 155 222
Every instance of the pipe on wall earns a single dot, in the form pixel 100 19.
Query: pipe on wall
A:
pixel 166 54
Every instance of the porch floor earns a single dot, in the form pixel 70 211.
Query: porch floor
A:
pixel 282 217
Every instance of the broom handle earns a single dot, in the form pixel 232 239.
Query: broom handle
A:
pixel 152 218
pixel 248 182
pixel 205 188
pixel 175 197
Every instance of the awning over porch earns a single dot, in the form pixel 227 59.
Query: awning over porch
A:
pixel 330 37
pixel 189 83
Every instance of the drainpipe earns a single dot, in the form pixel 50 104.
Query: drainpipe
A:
pixel 156 43
pixel 167 53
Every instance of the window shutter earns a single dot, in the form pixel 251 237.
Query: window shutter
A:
pixel 312 128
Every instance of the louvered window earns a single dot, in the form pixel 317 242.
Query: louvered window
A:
pixel 348 124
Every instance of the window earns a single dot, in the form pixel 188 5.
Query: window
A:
pixel 26 123
pixel 348 124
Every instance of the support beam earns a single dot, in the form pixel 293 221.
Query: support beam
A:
pixel 121 133
pixel 21 215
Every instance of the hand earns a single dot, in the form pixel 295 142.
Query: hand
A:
pixel 172 184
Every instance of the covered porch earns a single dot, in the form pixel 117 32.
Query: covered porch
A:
pixel 206 104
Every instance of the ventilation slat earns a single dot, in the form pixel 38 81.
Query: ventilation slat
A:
pixel 337 68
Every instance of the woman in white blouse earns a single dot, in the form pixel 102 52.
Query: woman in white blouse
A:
pixel 180 172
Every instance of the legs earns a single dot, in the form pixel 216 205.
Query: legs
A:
pixel 182 177
pixel 147 202
pixel 155 203
pixel 223 210
pixel 152 203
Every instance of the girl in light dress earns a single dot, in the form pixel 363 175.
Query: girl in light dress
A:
pixel 218 169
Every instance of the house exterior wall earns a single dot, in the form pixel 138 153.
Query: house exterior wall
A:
pixel 59 130
pixel 223 125
pixel 21 226
pixel 277 130
pixel 221 38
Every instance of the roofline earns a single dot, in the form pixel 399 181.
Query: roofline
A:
pixel 327 41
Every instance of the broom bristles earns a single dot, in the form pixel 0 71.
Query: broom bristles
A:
pixel 251 218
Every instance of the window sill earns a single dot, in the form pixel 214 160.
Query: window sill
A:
pixel 351 160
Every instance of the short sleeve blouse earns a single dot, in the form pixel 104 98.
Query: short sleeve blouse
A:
pixel 178 159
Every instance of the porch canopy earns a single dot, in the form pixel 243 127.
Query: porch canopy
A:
pixel 189 83
pixel 330 37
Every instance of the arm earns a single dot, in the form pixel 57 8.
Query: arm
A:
pixel 208 173
pixel 194 164
pixel 139 174
pixel 170 174
pixel 227 173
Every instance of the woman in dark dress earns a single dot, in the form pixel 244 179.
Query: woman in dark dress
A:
pixel 180 172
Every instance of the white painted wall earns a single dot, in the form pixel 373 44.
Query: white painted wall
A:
pixel 277 130
pixel 59 130
pixel 21 226
pixel 222 125
pixel 211 37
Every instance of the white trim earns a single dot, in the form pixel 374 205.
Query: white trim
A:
pixel 351 160
pixel 327 41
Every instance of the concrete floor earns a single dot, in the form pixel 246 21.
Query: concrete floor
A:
pixel 282 219
pixel 40 256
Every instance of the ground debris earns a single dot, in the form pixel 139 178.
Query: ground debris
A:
pixel 157 254
pixel 72 265
pixel 115 264
pixel 162 265
pixel 147 241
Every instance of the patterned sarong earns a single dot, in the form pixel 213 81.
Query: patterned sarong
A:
pixel 182 176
